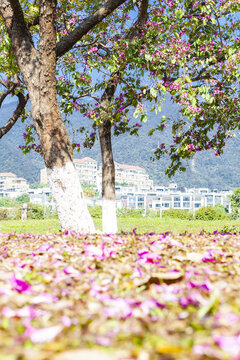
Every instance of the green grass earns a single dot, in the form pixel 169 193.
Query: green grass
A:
pixel 30 226
pixel 143 224
pixel 176 226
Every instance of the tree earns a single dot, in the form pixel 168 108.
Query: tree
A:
pixel 35 60
pixel 21 199
pixel 203 79
pixel 235 201
pixel 185 49
pixel 105 114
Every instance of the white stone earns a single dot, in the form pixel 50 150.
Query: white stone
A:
pixel 69 199
pixel 109 216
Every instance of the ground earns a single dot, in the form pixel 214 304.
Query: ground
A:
pixel 129 296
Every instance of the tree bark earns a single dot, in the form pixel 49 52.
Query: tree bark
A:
pixel 109 217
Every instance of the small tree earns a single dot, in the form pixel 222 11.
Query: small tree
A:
pixel 21 199
pixel 235 201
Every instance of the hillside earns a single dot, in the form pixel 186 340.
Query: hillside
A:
pixel 206 170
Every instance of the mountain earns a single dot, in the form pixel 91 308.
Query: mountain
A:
pixel 11 157
pixel 206 170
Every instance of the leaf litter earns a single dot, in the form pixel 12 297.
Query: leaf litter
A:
pixel 124 297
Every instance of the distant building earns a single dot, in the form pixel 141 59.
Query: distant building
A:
pixel 87 170
pixel 132 175
pixel 10 182
pixel 169 198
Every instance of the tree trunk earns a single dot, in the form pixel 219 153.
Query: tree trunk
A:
pixel 66 189
pixel 109 217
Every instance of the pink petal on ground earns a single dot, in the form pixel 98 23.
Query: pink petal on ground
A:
pixel 44 298
pixel 43 335
pixel 45 247
pixel 203 349
pixel 103 341
pixel 19 285
pixel 5 291
pixel 209 256
pixel 26 311
pixel 137 272
pixel 8 312
pixel 229 344
pixel 118 308
pixel 149 304
pixel 66 321
pixel 71 270
pixel 92 250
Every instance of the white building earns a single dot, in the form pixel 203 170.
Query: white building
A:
pixel 87 170
pixel 10 182
pixel 170 198
pixel 132 175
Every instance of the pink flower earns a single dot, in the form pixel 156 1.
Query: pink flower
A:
pixel 191 147
pixel 209 255
pixel 229 344
pixel 66 321
pixel 99 253
pixel 71 270
pixel 20 285
pixel 42 335
pixel 149 304
pixel 137 272
pixel 44 247
pixel 118 308
pixel 92 49
pixel 44 298
pixel 26 311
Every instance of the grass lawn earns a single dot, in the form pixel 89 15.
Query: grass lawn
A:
pixel 127 224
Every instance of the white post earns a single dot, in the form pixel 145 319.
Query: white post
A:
pixel 161 209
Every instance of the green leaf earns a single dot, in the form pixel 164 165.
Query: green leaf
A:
pixel 143 118
pixel 151 132
pixel 153 92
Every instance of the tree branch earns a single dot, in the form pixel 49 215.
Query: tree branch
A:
pixel 115 77
pixel 142 12
pixel 6 93
pixel 18 16
pixel 17 113
pixel 87 24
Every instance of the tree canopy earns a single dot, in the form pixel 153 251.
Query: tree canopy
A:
pixel 187 49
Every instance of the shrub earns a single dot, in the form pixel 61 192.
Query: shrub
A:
pixel 178 214
pixel 220 208
pixel 209 213
pixel 6 202
pixel 3 214
pixel 35 211
pixel 14 213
